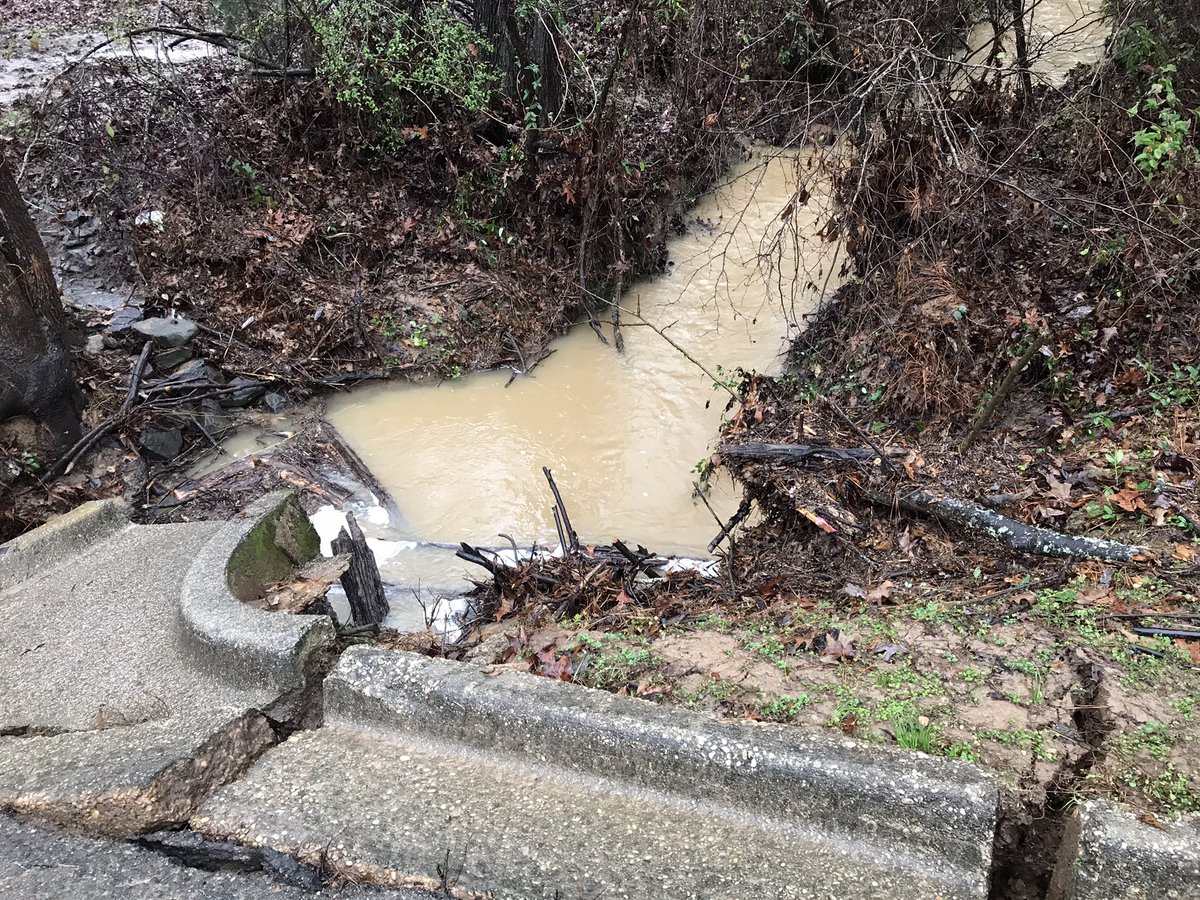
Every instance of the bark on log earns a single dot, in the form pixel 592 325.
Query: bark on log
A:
pixel 36 369
pixel 1014 534
pixel 364 587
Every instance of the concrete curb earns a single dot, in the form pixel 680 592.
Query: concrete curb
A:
pixel 1109 854
pixel 924 806
pixel 245 646
pixel 61 539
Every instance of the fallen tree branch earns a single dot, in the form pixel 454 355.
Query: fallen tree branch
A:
pixel 1010 379
pixel 1010 532
pixel 801 454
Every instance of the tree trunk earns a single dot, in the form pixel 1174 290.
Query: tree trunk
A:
pixel 36 369
pixel 525 49
pixel 1021 39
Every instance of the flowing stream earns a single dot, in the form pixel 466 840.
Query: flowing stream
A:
pixel 623 433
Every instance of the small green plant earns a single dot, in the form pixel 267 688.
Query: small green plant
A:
pixel 417 335
pixel 917 734
pixel 247 172
pixel 1162 142
pixel 1021 739
pixel 960 750
pixel 971 675
pixel 785 708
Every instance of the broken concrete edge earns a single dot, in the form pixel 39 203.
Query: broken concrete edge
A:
pixel 245 646
pixel 923 803
pixel 329 862
pixel 60 540
pixel 166 797
pixel 1110 853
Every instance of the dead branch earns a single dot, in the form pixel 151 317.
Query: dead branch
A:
pixel 1013 534
pixel 1001 392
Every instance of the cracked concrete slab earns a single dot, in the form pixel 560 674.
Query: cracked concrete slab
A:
pixel 116 714
pixel 122 781
pixel 526 787
pixel 42 864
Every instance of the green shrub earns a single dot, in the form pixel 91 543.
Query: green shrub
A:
pixel 394 66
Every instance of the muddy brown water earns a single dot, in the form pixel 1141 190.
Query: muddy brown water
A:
pixel 623 433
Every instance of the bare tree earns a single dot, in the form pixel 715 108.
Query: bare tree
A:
pixel 36 369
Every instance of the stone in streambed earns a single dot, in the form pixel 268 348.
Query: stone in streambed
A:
pixel 165 443
pixel 170 358
pixel 248 391
pixel 167 332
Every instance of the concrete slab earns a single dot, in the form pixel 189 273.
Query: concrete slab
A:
pixel 117 711
pixel 41 864
pixel 1111 854
pixel 60 539
pixel 526 787
pixel 95 642
pixel 123 781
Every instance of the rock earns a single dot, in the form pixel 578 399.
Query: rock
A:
pixel 123 319
pixel 150 218
pixel 215 419
pixel 95 345
pixel 167 332
pixel 169 359
pixel 249 391
pixel 162 442
pixel 198 370
pixel 276 402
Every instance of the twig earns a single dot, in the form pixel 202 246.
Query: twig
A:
pixel 738 517
pixel 572 537
pixel 883 457
pixel 1001 392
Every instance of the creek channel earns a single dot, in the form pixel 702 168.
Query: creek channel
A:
pixel 623 433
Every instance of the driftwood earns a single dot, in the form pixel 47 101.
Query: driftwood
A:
pixel 364 587
pixel 1014 534
pixel 305 589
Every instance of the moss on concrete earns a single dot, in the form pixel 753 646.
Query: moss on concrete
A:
pixel 274 549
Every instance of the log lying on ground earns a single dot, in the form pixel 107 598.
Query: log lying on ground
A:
pixel 1011 533
pixel 803 454
pixel 364 587
pixel 947 510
